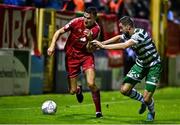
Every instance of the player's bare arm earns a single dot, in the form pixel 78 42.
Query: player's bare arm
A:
pixel 89 46
pixel 57 34
pixel 112 40
pixel 89 35
pixel 124 45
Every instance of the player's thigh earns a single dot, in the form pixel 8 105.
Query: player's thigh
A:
pixel 153 77
pixel 135 75
pixel 89 69
pixel 73 67
pixel 90 76
pixel 88 62
pixel 126 88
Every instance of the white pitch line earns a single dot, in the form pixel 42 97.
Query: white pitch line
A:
pixel 85 105
pixel 71 106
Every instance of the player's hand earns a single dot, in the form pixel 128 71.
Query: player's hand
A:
pixel 98 44
pixel 50 50
pixel 88 33
pixel 90 47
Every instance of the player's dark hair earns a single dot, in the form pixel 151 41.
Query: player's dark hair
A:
pixel 91 10
pixel 126 20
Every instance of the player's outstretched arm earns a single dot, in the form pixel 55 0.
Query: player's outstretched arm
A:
pixel 112 40
pixel 91 47
pixel 56 35
pixel 124 45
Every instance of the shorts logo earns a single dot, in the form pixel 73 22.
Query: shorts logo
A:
pixel 79 30
pixel 134 75
pixel 83 39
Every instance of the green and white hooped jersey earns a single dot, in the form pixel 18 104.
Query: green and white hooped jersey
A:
pixel 144 48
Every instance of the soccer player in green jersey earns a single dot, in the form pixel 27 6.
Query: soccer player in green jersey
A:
pixel 148 63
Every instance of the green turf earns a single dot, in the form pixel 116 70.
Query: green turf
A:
pixel 116 108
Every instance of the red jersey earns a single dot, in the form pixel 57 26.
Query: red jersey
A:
pixel 77 40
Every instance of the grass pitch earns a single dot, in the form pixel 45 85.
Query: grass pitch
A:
pixel 116 108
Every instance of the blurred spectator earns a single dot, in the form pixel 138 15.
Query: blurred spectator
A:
pixel 115 5
pixel 141 8
pixel 111 6
pixel 74 5
pixel 128 9
pixel 104 6
pixel 68 5
pixel 173 12
pixel 36 3
pixel 170 15
pixel 56 4
pixel 94 3
pixel 15 2
pixel 135 8
pixel 79 5
pixel 176 17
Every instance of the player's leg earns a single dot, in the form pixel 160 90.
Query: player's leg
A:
pixel 75 89
pixel 149 101
pixel 72 85
pixel 134 76
pixel 73 70
pixel 89 70
pixel 90 77
pixel 152 79
pixel 128 90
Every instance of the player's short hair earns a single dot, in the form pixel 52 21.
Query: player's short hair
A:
pixel 91 10
pixel 126 20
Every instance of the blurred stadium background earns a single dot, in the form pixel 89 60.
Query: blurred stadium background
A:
pixel 27 27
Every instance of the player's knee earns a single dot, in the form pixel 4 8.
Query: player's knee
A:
pixel 124 91
pixel 72 91
pixel 147 97
pixel 147 100
pixel 92 86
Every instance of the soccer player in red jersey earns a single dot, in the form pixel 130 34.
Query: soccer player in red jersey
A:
pixel 79 54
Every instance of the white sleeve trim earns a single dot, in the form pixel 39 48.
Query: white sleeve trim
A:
pixel 134 40
pixel 151 83
pixel 122 36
